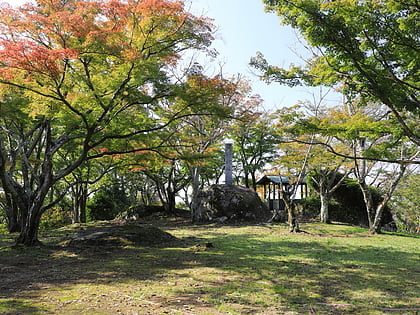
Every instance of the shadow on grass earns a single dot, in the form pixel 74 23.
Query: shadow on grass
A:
pixel 320 272
pixel 242 269
pixel 16 307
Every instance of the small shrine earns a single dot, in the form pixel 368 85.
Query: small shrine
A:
pixel 271 187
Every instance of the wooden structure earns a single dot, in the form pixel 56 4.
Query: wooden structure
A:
pixel 273 185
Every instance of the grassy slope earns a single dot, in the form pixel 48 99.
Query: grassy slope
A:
pixel 331 269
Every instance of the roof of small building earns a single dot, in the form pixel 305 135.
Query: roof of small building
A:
pixel 274 179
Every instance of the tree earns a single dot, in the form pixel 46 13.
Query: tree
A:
pixel 368 138
pixel 368 49
pixel 405 203
pixel 81 179
pixel 181 162
pixel 92 76
pixel 293 160
pixel 169 179
pixel 321 168
pixel 109 200
pixel 377 146
pixel 326 181
pixel 255 139
pixel 200 134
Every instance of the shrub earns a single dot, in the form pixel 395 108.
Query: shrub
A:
pixel 308 208
pixel 351 208
pixel 108 202
pixel 55 218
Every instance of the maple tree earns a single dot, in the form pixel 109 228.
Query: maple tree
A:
pixel 179 166
pixel 200 135
pixel 301 160
pixel 255 136
pixel 366 49
pixel 371 141
pixel 87 76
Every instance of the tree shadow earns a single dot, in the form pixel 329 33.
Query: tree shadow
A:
pixel 299 274
pixel 321 272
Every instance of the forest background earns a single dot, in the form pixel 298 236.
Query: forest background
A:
pixel 153 130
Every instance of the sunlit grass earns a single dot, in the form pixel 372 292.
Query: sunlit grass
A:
pixel 262 269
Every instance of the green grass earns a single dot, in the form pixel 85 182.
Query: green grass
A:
pixel 263 269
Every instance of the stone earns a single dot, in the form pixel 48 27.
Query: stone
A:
pixel 230 203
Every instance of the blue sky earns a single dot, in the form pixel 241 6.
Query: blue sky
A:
pixel 243 29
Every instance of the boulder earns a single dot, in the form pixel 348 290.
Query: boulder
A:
pixel 230 203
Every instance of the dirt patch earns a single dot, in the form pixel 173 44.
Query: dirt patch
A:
pixel 105 268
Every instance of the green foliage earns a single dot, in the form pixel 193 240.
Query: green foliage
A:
pixel 93 79
pixel 309 207
pixel 351 207
pixel 55 218
pixel 108 202
pixel 367 49
pixel 256 139
pixel 405 204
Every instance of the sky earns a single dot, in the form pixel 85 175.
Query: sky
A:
pixel 243 29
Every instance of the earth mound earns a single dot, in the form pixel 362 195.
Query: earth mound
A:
pixel 121 234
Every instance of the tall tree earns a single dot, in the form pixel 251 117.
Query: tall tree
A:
pixel 255 138
pixel 182 160
pixel 365 48
pixel 326 181
pixel 201 134
pixel 405 203
pixel 374 142
pixel 299 137
pixel 94 77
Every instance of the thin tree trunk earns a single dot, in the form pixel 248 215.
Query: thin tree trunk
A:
pixel 324 213
pixel 376 226
pixel 196 215
pixel 79 204
pixel 170 203
pixel 367 197
pixel 292 217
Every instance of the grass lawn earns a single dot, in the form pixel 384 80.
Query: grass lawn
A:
pixel 257 269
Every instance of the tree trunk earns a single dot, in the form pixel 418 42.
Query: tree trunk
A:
pixel 196 216
pixel 291 211
pixel 12 213
pixel 367 197
pixel 170 203
pixel 292 218
pixel 79 209
pixel 29 232
pixel 246 179
pixel 79 204
pixel 375 228
pixel 324 213
pixel 254 181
